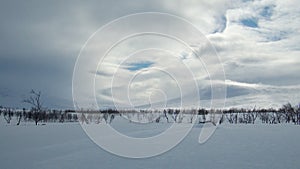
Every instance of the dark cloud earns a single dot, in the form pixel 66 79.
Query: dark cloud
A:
pixel 40 41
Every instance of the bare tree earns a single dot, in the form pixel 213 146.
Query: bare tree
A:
pixel 289 112
pixel 112 117
pixel 35 101
pixel 83 119
pixel 7 115
pixel 166 116
pixel 19 116
pixel 298 114
pixel 174 113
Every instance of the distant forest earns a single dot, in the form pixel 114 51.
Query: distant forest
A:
pixel 38 115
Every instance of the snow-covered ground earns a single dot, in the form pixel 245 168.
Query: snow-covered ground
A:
pixel 234 146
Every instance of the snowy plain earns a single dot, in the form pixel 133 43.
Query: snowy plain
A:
pixel 232 146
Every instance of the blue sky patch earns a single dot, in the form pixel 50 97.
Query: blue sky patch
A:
pixel 139 66
pixel 250 22
pixel 267 12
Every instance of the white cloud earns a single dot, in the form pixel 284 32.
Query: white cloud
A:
pixel 260 58
pixel 257 57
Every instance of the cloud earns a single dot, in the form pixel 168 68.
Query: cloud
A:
pixel 257 41
pixel 241 84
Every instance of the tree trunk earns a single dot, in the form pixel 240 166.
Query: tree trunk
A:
pixel 19 119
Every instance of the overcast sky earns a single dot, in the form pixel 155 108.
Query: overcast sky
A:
pixel 257 42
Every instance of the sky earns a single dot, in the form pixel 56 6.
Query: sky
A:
pixel 257 43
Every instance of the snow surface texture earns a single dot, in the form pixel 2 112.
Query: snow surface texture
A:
pixel 66 146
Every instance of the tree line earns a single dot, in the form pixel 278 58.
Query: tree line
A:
pixel 38 114
pixel 37 117
pixel 286 114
